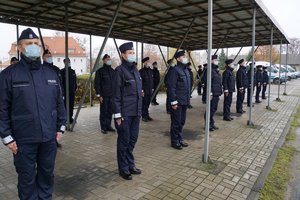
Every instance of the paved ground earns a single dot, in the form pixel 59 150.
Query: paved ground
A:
pixel 86 165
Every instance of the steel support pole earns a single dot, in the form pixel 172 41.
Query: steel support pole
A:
pixel 137 54
pixel 168 52
pixel 224 39
pixel 193 63
pixel 286 67
pixel 18 53
pixel 227 53
pixel 41 38
pixel 198 77
pixel 252 55
pixel 117 48
pixel 67 89
pixel 250 123
pixel 270 69
pixel 142 48
pixel 209 47
pixel 97 60
pixel 279 82
pixel 184 38
pixel 91 69
pixel 236 54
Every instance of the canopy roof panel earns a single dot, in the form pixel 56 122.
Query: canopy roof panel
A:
pixel 163 22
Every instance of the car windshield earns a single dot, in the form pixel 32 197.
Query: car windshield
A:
pixel 283 70
pixel 273 70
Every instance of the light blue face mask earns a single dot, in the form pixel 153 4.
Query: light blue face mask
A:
pixel 49 60
pixel 109 62
pixel 131 58
pixel 32 51
pixel 184 61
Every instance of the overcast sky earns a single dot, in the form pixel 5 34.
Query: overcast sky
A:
pixel 286 12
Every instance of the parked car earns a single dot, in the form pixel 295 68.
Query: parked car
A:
pixel 274 72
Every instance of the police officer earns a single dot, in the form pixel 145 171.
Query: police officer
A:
pixel 216 90
pixel 127 103
pixel 241 83
pixel 179 91
pixel 103 85
pixel 228 87
pixel 14 60
pixel 265 81
pixel 204 84
pixel 259 82
pixel 156 80
pixel 32 118
pixel 249 75
pixel 147 85
pixel 199 77
pixel 191 81
pixel 72 87
pixel 171 65
pixel 47 58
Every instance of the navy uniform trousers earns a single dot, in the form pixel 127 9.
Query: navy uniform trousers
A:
pixel 248 95
pixel 264 91
pixel 71 104
pixel 204 95
pixel 240 100
pixel 168 104
pixel 258 90
pixel 227 105
pixel 145 105
pixel 213 109
pixel 127 137
pixel 105 113
pixel 34 164
pixel 178 117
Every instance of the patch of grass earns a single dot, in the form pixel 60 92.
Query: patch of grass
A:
pixel 279 176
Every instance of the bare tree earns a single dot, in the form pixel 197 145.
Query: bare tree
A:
pixel 294 46
pixel 82 41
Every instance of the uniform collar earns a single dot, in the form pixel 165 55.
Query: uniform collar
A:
pixel 106 66
pixel 127 64
pixel 32 64
pixel 214 65
pixel 180 64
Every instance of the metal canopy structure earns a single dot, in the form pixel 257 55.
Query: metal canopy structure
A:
pixel 162 22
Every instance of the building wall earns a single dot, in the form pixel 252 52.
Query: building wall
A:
pixel 79 64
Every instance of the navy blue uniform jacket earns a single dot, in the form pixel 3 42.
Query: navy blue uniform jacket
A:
pixel 147 80
pixel 242 81
pixel 127 98
pixel 104 81
pixel 228 80
pixel 216 80
pixel 31 104
pixel 178 85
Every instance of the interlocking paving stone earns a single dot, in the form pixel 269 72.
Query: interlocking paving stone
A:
pixel 86 167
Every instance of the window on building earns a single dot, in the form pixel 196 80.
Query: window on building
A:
pixel 81 60
pixel 71 50
pixel 74 60
pixel 58 59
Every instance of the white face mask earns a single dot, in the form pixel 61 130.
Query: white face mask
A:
pixel 148 65
pixel 109 62
pixel 49 60
pixel 184 61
